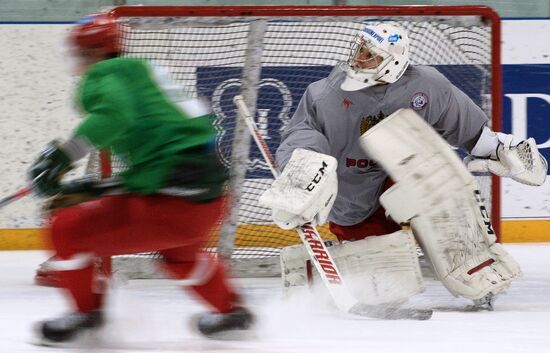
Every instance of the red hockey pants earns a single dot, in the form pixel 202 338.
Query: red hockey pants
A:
pixel 125 224
pixel 375 224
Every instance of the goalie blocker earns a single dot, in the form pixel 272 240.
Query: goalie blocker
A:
pixel 305 190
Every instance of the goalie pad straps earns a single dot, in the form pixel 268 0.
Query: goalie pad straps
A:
pixel 304 192
pixel 436 192
pixel 378 270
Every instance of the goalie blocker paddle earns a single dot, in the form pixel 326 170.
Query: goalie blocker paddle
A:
pixel 322 259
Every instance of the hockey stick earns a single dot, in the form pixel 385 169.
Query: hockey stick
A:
pixel 82 185
pixel 317 249
pixel 90 185
pixel 19 194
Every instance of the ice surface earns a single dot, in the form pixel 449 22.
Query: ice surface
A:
pixel 151 316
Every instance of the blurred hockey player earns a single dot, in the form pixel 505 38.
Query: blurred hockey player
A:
pixel 167 199
pixel 336 113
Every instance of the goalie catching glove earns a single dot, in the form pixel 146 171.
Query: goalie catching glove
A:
pixel 505 156
pixel 305 191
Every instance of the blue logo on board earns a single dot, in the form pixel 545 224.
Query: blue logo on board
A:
pixel 279 92
pixel 526 103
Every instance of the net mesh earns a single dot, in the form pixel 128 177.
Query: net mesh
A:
pixel 207 55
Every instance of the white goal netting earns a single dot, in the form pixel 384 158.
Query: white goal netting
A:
pixel 270 60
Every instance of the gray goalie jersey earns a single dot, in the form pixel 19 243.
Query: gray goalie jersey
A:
pixel 329 120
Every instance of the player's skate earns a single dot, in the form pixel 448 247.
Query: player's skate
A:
pixel 67 329
pixel 233 325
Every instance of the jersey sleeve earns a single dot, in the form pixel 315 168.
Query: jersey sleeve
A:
pixel 108 105
pixel 457 118
pixel 303 131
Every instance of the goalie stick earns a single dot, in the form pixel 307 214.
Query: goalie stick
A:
pixel 317 250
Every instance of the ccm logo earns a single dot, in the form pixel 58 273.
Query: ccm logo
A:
pixel 484 213
pixel 359 163
pixel 317 178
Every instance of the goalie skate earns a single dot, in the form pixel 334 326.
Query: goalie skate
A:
pixel 483 304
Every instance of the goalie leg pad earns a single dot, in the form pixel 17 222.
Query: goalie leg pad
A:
pixel 437 193
pixel 466 264
pixel 379 270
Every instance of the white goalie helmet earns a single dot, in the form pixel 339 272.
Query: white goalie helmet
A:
pixel 379 54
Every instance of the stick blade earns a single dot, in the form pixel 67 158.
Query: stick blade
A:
pixel 390 313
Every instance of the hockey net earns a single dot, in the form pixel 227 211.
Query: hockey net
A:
pixel 270 55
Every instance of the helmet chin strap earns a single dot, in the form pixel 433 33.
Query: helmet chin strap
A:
pixel 380 81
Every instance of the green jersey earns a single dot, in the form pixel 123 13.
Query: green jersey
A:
pixel 164 140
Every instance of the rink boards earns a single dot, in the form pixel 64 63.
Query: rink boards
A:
pixel 37 106
pixel 513 231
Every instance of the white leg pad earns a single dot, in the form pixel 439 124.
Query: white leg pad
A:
pixel 378 270
pixel 435 191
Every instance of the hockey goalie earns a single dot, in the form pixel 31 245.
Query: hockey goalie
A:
pixel 433 192
pixel 389 126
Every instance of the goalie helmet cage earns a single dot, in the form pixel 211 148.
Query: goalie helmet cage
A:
pixel 269 54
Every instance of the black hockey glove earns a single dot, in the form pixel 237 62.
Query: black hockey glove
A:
pixel 46 172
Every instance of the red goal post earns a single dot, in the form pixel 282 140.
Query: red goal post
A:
pixel 269 54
